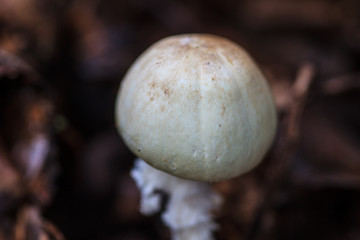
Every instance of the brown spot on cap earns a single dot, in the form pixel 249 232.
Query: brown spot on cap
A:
pixel 152 84
pixel 223 110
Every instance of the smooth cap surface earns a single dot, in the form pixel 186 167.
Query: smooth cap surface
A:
pixel 196 106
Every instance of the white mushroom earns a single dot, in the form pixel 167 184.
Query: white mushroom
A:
pixel 197 107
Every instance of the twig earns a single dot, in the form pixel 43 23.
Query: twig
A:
pixel 286 146
pixel 52 230
pixel 341 84
pixel 299 91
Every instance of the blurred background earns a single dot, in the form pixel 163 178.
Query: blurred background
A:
pixel 64 170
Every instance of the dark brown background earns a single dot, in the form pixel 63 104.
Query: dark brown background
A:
pixel 308 187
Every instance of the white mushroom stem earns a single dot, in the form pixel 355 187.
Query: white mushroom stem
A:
pixel 190 206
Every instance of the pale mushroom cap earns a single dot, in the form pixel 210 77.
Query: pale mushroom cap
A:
pixel 196 106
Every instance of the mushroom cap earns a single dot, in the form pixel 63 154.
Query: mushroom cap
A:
pixel 196 106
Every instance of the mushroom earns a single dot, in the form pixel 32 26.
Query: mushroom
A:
pixel 197 110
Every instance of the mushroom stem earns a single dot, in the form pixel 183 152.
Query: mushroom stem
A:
pixel 189 210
